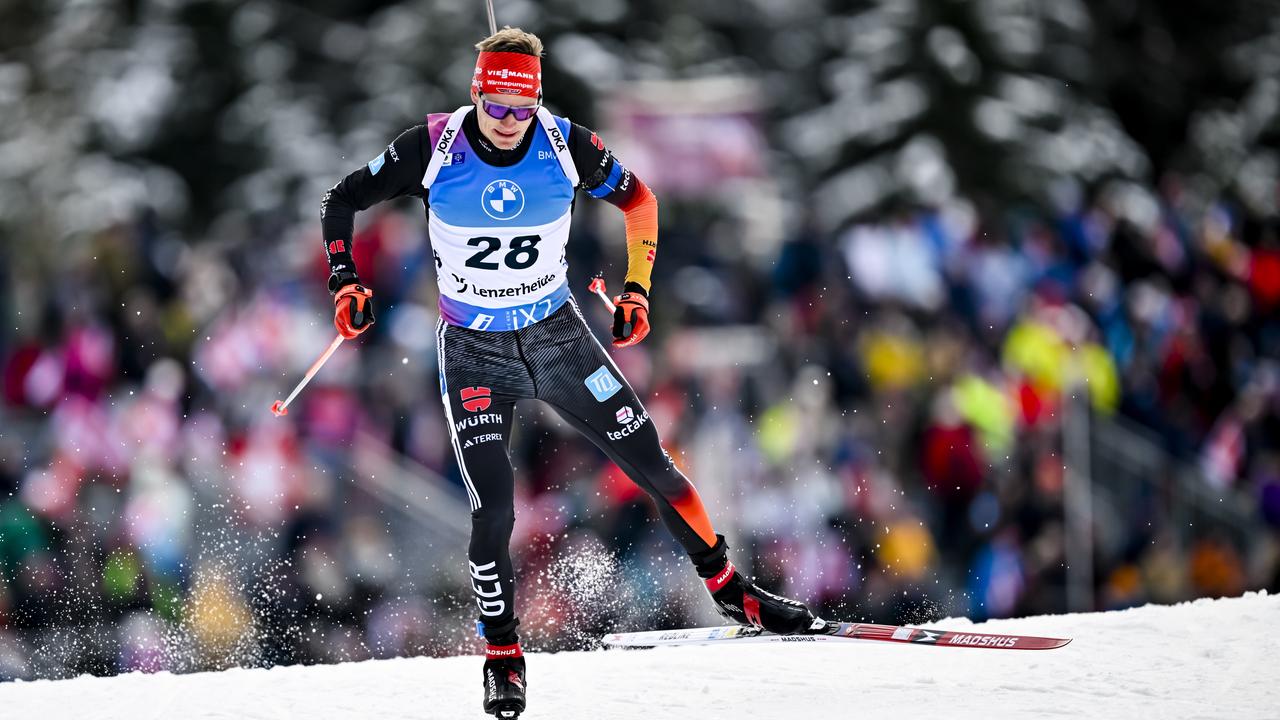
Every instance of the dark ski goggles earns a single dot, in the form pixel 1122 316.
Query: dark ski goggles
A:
pixel 498 111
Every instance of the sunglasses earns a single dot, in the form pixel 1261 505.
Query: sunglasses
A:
pixel 498 111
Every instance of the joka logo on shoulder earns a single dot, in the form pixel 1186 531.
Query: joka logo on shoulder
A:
pixel 502 200
pixel 476 399
pixel 602 384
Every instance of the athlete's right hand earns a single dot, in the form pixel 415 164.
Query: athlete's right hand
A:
pixel 630 316
pixel 352 305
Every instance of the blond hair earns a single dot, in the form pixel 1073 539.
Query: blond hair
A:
pixel 510 39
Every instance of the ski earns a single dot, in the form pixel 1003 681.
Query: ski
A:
pixel 825 630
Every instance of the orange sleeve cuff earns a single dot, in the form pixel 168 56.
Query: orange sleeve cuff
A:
pixel 641 218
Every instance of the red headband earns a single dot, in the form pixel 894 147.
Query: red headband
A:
pixel 508 73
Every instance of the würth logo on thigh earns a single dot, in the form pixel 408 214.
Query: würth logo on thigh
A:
pixel 476 399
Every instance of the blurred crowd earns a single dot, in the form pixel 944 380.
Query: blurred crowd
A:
pixel 874 417
pixel 962 265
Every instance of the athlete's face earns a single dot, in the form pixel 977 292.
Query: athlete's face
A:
pixel 507 132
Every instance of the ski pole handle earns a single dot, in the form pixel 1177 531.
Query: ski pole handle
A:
pixel 280 408
pixel 597 287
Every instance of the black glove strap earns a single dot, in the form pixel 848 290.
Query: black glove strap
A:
pixel 635 287
pixel 341 279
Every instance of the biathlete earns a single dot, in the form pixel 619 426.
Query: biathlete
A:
pixel 498 178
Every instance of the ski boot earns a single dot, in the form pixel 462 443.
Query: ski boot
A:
pixel 504 681
pixel 739 600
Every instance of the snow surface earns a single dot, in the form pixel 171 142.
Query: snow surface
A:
pixel 1205 659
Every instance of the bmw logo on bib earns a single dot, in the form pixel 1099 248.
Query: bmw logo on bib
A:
pixel 502 200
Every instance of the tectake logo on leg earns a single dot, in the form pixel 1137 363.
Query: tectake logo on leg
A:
pixel 625 415
pixel 628 426
pixel 476 399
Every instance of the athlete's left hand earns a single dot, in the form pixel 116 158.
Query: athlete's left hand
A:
pixel 630 316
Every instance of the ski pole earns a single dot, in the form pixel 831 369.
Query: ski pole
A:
pixel 597 287
pixel 280 408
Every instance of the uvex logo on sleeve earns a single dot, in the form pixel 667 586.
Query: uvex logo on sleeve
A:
pixel 476 399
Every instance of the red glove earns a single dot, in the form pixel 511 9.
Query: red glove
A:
pixel 353 310
pixel 630 317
